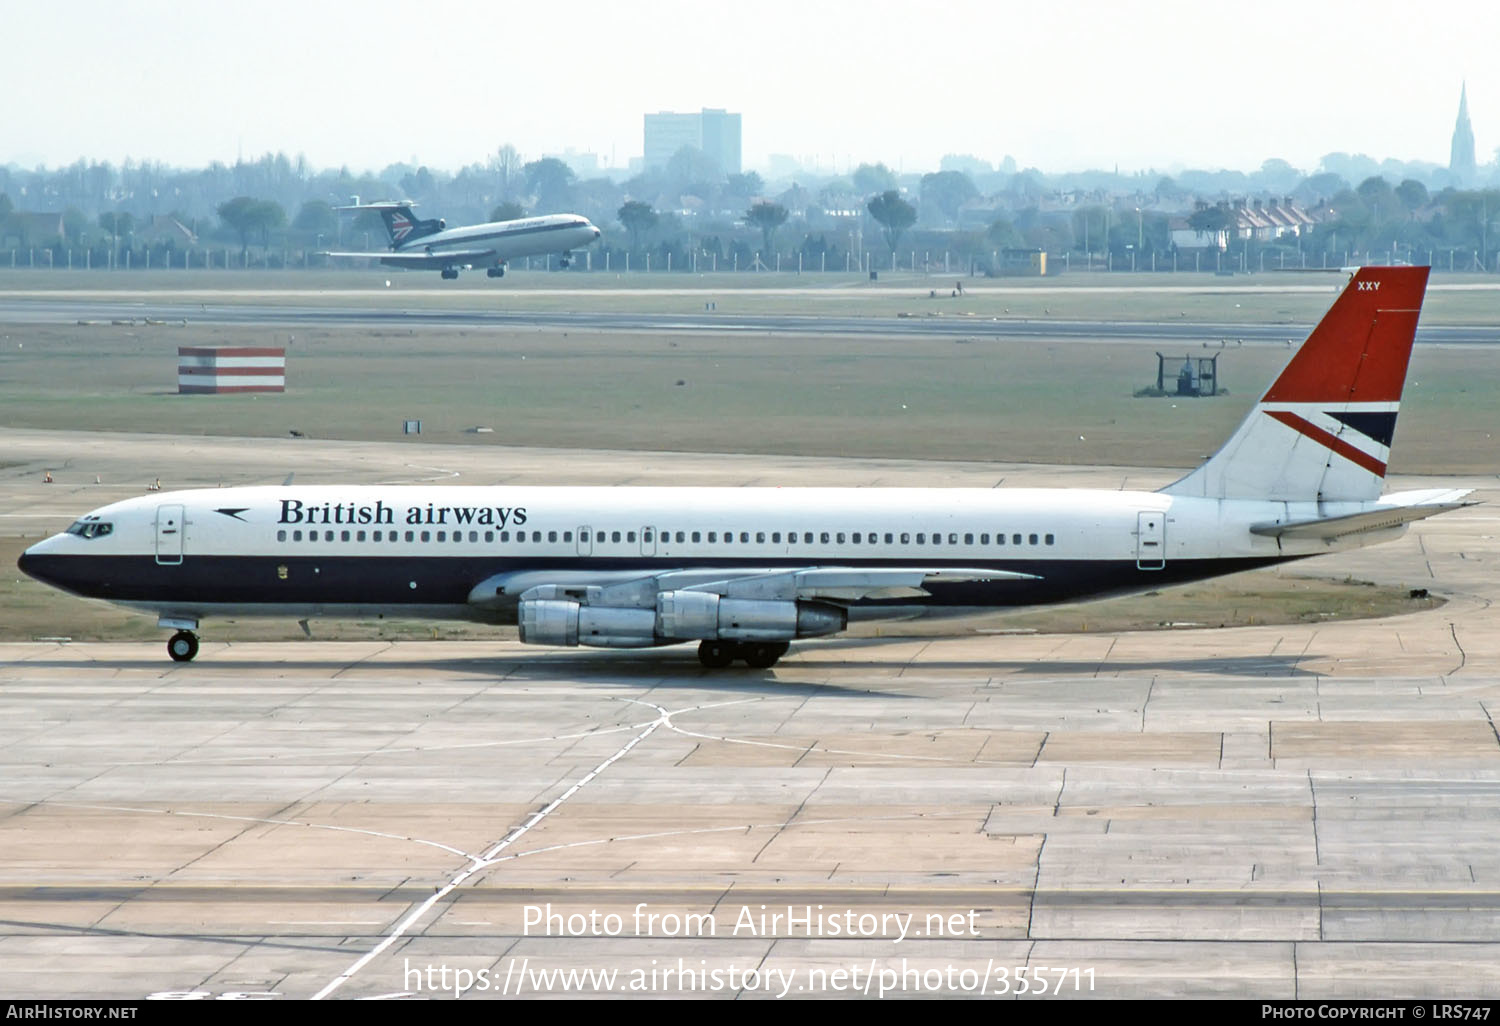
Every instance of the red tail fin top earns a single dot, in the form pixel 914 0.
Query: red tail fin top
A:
pixel 1359 350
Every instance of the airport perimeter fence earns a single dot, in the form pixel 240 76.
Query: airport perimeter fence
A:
pixel 869 262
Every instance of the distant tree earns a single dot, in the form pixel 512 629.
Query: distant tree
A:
pixel 948 191
pixel 508 211
pixel 269 215
pixel 1210 219
pixel 744 186
pixel 894 214
pixel 691 165
pixel 1003 235
pixel 1413 195
pixel 873 179
pixel 506 166
pixel 246 215
pixel 315 217
pixel 117 222
pixel 638 218
pixel 551 182
pixel 419 184
pixel 767 217
pixel 5 206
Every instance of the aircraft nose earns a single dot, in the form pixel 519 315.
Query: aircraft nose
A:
pixel 28 562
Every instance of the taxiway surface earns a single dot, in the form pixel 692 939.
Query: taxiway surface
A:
pixel 1300 811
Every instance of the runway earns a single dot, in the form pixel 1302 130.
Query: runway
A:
pixel 1302 811
pixel 49 308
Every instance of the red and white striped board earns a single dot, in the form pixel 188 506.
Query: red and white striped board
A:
pixel 219 370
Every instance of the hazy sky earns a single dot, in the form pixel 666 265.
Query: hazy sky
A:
pixel 1058 84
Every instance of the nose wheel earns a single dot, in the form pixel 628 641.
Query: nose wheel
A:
pixel 182 646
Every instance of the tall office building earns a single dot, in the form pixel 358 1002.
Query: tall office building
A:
pixel 1461 158
pixel 715 132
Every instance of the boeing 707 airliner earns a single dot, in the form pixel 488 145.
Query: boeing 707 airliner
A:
pixel 746 571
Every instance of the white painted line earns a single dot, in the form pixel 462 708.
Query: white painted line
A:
pixel 487 858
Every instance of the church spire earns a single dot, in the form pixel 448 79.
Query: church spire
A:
pixel 1461 157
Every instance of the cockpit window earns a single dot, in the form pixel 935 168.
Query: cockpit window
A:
pixel 91 528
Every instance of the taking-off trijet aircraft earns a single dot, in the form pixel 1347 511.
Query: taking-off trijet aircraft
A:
pixel 745 571
pixel 432 245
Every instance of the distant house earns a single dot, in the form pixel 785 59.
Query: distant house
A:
pixel 165 230
pixel 1261 220
pixel 23 229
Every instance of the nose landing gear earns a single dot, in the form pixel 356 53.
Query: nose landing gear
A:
pixel 182 646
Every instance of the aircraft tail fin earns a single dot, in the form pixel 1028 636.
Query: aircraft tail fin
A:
pixel 404 228
pixel 1323 430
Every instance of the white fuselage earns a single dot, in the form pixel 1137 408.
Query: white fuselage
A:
pixel 424 550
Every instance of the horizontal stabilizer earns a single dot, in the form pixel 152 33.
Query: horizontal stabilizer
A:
pixel 1395 510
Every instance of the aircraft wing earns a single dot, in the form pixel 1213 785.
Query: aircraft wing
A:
pixel 1394 510
pixel 784 584
pixel 423 261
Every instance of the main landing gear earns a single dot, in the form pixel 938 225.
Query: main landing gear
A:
pixel 566 259
pixel 495 272
pixel 758 655
pixel 182 646
pixel 450 273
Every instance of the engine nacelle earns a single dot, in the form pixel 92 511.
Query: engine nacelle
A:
pixel 678 616
pixel 697 615
pixel 558 622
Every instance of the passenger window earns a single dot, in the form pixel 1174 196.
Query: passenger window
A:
pixel 840 537
pixel 646 535
pixel 1048 539
pixel 552 536
pixel 760 537
pixel 312 536
pixel 458 536
pixel 713 536
pixel 344 536
pixel 968 539
pixel 906 538
pixel 745 537
pixel 410 535
pixel 296 536
pixel 807 537
pixel 328 536
pixel 281 536
pixel 888 537
pixel 615 536
pixel 1032 539
pixel 378 536
pixel 775 537
pixel 697 537
pixel 567 536
pixel 630 536
pixel 921 538
pixel 952 539
pixel 791 537
pixel 489 536
pixel 442 536
pixel 823 537
pixel 984 539
pixel 505 536
pixel 728 537
pixel 359 536
pixel 583 536
pixel 427 536
pixel 681 537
